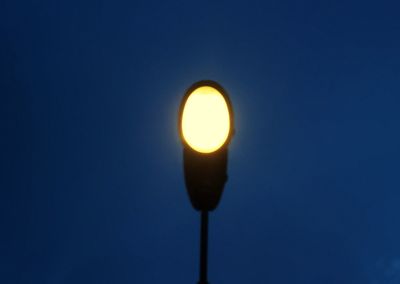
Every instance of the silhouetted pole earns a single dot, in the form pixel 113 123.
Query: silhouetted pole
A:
pixel 206 127
pixel 203 247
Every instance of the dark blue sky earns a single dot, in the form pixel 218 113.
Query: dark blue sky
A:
pixel 92 188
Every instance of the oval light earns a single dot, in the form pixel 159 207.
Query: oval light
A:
pixel 205 123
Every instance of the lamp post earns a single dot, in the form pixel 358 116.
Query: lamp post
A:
pixel 206 128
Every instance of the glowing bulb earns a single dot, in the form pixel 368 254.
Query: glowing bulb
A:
pixel 205 120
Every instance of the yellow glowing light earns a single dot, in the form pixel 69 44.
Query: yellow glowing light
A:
pixel 205 120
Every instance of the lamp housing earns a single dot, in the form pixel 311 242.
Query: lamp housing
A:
pixel 205 108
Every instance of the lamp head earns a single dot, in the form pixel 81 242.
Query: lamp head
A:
pixel 206 128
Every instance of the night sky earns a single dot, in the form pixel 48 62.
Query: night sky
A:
pixel 92 188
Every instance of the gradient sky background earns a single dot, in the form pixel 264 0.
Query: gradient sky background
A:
pixel 92 188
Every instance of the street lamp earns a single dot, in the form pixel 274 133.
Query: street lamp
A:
pixel 206 128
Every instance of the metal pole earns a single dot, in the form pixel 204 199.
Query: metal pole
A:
pixel 203 247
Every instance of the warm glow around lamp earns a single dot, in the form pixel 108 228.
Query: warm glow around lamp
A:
pixel 205 121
